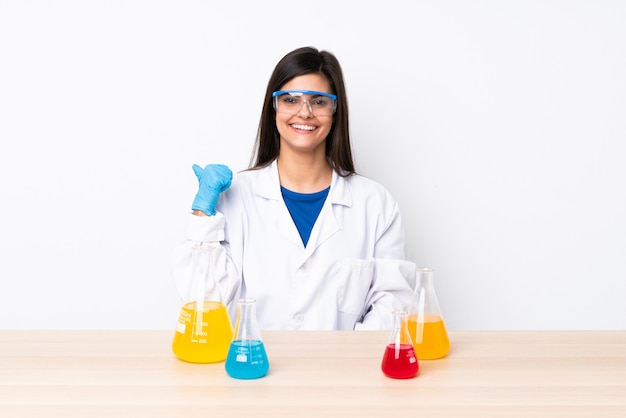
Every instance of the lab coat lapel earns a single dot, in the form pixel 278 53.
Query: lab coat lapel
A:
pixel 286 226
pixel 326 224
pixel 269 188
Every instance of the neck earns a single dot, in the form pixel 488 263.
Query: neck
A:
pixel 304 175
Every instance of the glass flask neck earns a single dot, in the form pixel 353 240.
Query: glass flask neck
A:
pixel 400 332
pixel 424 278
pixel 247 308
pixel 204 286
pixel 424 298
pixel 246 327
pixel 399 317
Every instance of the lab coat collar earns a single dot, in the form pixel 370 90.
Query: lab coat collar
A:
pixel 269 186
pixel 326 224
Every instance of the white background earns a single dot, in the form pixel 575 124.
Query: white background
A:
pixel 499 126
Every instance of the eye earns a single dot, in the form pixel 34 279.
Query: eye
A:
pixel 320 102
pixel 290 100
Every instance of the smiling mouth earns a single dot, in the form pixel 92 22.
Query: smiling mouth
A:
pixel 304 127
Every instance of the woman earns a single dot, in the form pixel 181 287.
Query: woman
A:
pixel 317 245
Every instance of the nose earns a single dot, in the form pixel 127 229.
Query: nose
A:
pixel 305 111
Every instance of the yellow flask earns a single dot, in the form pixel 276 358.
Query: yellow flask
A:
pixel 425 322
pixel 203 331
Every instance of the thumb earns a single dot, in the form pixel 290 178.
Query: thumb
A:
pixel 197 170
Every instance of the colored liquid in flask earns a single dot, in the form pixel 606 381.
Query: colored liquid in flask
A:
pixel 206 340
pixel 432 342
pixel 247 359
pixel 399 361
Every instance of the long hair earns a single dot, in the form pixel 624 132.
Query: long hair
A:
pixel 302 61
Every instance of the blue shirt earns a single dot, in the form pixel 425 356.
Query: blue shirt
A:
pixel 304 209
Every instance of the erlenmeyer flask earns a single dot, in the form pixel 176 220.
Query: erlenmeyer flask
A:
pixel 247 358
pixel 203 332
pixel 399 359
pixel 426 325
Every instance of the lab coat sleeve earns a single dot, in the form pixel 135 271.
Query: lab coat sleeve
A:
pixel 392 289
pixel 205 229
pixel 394 276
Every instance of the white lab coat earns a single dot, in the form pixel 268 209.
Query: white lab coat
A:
pixel 351 275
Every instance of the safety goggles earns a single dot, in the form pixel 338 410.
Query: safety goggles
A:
pixel 291 102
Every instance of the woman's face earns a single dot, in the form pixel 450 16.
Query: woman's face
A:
pixel 304 131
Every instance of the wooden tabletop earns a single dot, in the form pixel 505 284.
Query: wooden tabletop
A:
pixel 118 374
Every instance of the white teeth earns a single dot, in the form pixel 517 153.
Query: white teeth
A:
pixel 304 127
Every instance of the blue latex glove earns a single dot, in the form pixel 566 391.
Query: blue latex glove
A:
pixel 213 179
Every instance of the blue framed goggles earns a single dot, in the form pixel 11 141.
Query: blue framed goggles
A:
pixel 292 101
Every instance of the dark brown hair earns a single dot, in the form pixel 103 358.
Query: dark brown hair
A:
pixel 302 61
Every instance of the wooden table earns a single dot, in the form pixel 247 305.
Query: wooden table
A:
pixel 117 374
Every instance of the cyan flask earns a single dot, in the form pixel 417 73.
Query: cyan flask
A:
pixel 247 358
